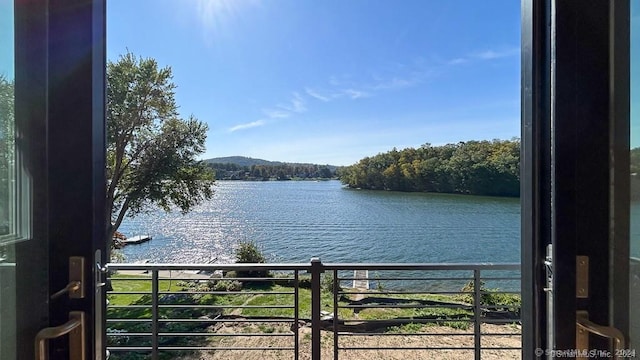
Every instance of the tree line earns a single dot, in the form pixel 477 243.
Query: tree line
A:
pixel 7 112
pixel 472 167
pixel 231 171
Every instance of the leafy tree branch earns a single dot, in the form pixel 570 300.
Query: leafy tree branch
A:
pixel 151 151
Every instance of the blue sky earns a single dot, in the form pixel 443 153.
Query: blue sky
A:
pixel 332 81
pixel 6 38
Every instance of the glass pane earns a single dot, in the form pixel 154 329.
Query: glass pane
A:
pixel 6 116
pixel 8 223
pixel 635 177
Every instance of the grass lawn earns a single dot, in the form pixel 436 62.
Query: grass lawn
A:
pixel 384 306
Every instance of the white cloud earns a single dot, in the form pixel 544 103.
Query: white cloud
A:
pixel 492 54
pixel 295 105
pixel 457 61
pixel 485 55
pixel 276 113
pixel 316 95
pixel 355 94
pixel 399 83
pixel 248 125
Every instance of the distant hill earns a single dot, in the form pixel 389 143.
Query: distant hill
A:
pixel 248 161
pixel 246 168
pixel 241 161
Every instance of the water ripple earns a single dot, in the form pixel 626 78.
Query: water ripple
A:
pixel 293 221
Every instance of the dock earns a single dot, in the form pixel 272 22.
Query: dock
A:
pixel 361 279
pixel 138 239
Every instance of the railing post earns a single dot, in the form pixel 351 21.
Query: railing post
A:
pixel 477 312
pixel 154 314
pixel 316 270
pixel 296 316
pixel 336 287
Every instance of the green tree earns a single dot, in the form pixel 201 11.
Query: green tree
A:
pixel 151 150
pixel 473 167
pixel 7 116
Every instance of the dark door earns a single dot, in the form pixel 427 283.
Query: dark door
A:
pixel 51 178
pixel 579 275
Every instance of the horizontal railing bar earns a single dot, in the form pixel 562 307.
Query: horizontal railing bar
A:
pixel 502 278
pixel 421 266
pixel 202 293
pixel 427 279
pixel 194 306
pixel 209 267
pixel 407 306
pixel 352 334
pixel 241 279
pixel 487 320
pixel 405 278
pixel 492 292
pixel 404 293
pixel 204 279
pixel 211 334
pixel 501 334
pixel 485 307
pixel 225 292
pixel 227 334
pixel 306 266
pixel 244 320
pixel 406 321
pixel 139 320
pixel 145 278
pixel 185 348
pixel 404 348
pixel 120 307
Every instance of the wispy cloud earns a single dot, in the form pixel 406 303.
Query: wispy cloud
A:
pixel 355 94
pixel 248 125
pixel 342 88
pixel 276 113
pixel 485 55
pixel 457 61
pixel 346 87
pixel 400 82
pixel 493 54
pixel 316 95
pixel 295 105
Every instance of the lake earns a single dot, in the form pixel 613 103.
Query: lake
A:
pixel 292 221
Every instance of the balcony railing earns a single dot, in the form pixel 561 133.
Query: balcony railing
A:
pixel 314 311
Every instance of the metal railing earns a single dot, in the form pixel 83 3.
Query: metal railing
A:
pixel 313 309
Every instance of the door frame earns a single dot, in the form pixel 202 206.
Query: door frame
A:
pixel 60 63
pixel 575 161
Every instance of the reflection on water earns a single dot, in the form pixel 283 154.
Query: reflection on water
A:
pixel 294 221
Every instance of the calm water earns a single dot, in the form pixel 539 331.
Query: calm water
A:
pixel 295 220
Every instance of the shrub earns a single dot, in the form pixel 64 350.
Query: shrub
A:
pixel 491 297
pixel 225 285
pixel 326 282
pixel 248 252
